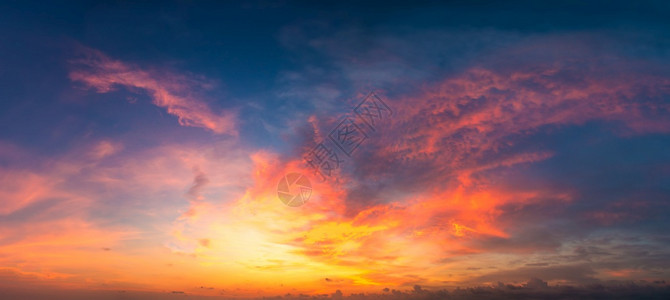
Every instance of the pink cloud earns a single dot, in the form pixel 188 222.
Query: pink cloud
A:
pixel 58 213
pixel 173 92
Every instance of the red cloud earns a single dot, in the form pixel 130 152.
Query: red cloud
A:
pixel 438 151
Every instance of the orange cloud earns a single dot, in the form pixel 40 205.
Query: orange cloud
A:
pixel 46 235
pixel 458 132
pixel 59 216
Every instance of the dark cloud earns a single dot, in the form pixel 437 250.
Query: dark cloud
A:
pixel 532 289
pixel 199 183
pixel 575 274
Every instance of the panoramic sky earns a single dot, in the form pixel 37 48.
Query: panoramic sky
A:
pixel 145 146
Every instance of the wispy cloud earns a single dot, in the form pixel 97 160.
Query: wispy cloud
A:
pixel 175 93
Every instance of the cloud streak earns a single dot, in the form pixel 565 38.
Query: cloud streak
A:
pixel 175 93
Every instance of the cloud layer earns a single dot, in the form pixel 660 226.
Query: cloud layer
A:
pixel 511 154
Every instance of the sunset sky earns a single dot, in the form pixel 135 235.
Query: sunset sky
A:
pixel 142 143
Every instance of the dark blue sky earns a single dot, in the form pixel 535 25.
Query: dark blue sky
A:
pixel 248 45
